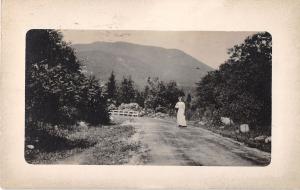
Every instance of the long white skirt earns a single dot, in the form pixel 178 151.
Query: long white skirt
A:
pixel 181 118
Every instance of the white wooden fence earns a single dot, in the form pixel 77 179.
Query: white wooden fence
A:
pixel 125 113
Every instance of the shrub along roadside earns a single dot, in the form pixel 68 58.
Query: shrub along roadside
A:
pixel 58 94
pixel 248 139
pixel 241 88
pixel 57 91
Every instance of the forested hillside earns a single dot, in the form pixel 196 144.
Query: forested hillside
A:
pixel 141 62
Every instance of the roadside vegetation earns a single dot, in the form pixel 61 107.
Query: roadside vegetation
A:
pixel 240 90
pixel 58 96
pixel 103 145
pixel 156 96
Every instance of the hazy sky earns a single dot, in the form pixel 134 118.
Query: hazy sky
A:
pixel 208 47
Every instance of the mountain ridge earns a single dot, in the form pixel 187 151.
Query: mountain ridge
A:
pixel 140 62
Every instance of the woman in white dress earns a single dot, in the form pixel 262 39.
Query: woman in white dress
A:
pixel 180 112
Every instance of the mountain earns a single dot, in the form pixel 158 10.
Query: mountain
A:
pixel 140 62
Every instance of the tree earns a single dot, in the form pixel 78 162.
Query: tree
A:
pixel 241 88
pixel 188 106
pixel 56 89
pixel 188 98
pixel 51 72
pixel 161 96
pixel 46 47
pixel 207 89
pixel 93 104
pixel 127 91
pixel 146 94
pixel 139 98
pixel 172 94
pixel 111 87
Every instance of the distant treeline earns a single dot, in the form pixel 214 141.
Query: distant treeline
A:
pixel 241 87
pixel 157 95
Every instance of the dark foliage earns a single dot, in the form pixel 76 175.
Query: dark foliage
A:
pixel 241 88
pixel 93 105
pixel 140 98
pixel 56 90
pixel 47 138
pixel 188 107
pixel 111 88
pixel 161 97
pixel 157 95
pixel 127 91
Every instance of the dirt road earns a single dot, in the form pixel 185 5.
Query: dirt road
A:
pixel 161 142
pixel 170 145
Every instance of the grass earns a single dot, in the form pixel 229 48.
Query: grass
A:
pixel 100 144
pixel 248 139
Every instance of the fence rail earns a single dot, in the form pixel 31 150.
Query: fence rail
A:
pixel 125 113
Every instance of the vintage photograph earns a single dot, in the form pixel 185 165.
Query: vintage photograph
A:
pixel 179 98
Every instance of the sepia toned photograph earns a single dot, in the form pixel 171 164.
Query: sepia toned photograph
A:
pixel 167 98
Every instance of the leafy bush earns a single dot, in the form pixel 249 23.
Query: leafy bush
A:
pixel 130 106
pixel 126 92
pixel 160 96
pixel 57 92
pixel 241 88
pixel 93 105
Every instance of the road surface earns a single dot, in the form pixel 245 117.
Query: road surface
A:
pixel 161 142
pixel 168 144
